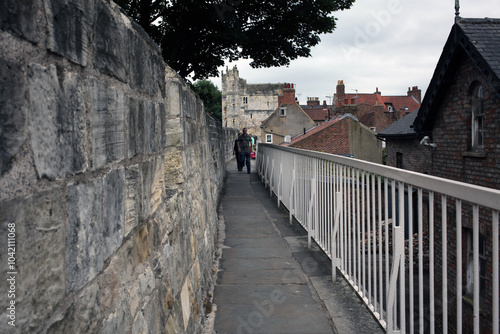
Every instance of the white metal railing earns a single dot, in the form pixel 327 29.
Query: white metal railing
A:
pixel 383 229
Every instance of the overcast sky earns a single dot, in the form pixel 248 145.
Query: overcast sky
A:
pixel 389 44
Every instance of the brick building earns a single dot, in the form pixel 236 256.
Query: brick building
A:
pixel 319 113
pixel 374 110
pixel 455 135
pixel 344 135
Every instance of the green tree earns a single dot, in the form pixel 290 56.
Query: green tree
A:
pixel 211 97
pixel 197 36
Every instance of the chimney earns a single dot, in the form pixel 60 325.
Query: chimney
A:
pixel 288 96
pixel 312 101
pixel 340 92
pixel 416 93
pixel 376 91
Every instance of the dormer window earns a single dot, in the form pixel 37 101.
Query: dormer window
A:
pixel 283 111
pixel 478 118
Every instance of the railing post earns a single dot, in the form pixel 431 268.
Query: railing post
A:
pixel 312 206
pixel 336 224
pixel 292 193
pixel 280 183
pixel 398 239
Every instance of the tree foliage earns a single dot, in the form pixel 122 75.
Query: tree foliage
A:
pixel 197 36
pixel 211 97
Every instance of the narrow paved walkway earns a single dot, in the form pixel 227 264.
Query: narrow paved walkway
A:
pixel 268 281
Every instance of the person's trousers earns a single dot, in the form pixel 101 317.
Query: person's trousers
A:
pixel 238 161
pixel 245 160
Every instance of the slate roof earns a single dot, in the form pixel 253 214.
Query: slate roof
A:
pixel 476 39
pixel 400 129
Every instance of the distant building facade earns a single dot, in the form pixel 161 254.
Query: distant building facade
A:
pixel 248 105
pixel 373 109
pixel 288 120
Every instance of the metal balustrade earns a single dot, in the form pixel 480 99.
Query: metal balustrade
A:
pixel 383 229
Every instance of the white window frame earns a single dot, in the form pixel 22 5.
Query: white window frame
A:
pixel 269 138
pixel 283 111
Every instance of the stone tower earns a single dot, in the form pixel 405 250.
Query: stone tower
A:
pixel 248 105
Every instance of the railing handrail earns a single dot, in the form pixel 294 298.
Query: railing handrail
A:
pixel 484 196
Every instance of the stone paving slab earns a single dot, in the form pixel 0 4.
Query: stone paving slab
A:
pixel 262 277
pixel 257 253
pixel 272 318
pixel 251 242
pixel 249 295
pixel 251 264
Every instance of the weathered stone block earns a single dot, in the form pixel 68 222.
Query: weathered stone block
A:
pixel 174 132
pixel 174 168
pixel 69 25
pixel 135 124
pixel 111 44
pixel 57 122
pixel 39 258
pixel 113 211
pixel 145 126
pixel 107 118
pixel 146 66
pixel 84 243
pixel 132 198
pixel 20 18
pixel 118 321
pixel 174 96
pixel 82 316
pixel 152 186
pixel 13 110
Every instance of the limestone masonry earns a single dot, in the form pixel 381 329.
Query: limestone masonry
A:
pixel 110 176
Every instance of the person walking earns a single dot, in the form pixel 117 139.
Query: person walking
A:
pixel 245 147
pixel 236 153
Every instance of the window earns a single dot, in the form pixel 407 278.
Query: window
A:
pixel 477 118
pixel 399 160
pixel 283 111
pixel 269 139
pixel 245 99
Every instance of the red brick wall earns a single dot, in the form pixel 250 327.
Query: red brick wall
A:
pixel 334 139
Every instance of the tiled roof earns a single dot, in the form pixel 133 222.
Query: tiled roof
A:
pixel 399 102
pixel 401 128
pixel 317 114
pixel 318 128
pixel 329 137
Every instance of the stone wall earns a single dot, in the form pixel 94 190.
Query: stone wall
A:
pixel 110 176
